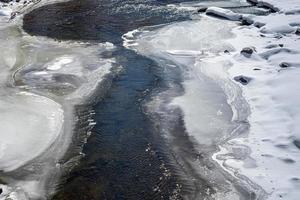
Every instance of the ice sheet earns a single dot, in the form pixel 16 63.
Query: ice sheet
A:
pixel 29 125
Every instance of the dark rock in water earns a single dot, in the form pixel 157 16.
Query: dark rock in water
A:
pixel 247 51
pixel 256 69
pixel 297 143
pixel 226 51
pixel 1 190
pixel 297 31
pixel 242 79
pixel 284 65
pixel 281 45
pixel 203 9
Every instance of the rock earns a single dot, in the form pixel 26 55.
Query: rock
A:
pixel 297 31
pixel 247 51
pixel 203 9
pixel 226 51
pixel 281 45
pixel 259 24
pixel 284 65
pixel 256 69
pixel 242 79
pixel 297 143
pixel 1 190
pixel 246 21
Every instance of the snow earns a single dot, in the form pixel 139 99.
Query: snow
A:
pixel 290 6
pixel 266 147
pixel 275 114
pixel 273 97
pixel 228 14
pixel 59 63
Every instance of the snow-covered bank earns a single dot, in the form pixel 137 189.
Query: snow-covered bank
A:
pixel 41 80
pixel 264 152
pixel 272 93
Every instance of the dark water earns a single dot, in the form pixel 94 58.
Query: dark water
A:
pixel 126 156
pixel 101 20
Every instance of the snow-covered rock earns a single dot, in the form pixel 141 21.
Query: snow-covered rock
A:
pixel 225 13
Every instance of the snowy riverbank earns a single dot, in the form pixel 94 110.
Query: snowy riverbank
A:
pixel 264 150
pixel 269 154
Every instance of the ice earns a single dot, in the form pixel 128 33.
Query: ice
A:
pixel 29 125
pixel 41 81
pixel 59 63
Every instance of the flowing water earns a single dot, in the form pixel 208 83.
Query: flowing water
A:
pixel 139 123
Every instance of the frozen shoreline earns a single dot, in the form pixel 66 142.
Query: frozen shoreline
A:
pixel 41 81
pixel 207 117
pixel 267 151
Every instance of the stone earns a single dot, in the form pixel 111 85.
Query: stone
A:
pixel 242 79
pixel 284 65
pixel 297 31
pixel 201 10
pixel 247 51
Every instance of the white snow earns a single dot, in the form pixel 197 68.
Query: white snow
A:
pixel 228 14
pixel 290 6
pixel 59 63
pixel 273 96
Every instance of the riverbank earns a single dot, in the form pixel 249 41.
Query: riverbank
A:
pixel 268 74
pixel 257 68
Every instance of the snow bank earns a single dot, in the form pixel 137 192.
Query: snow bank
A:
pixel 272 141
pixel 273 137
